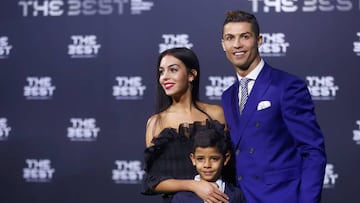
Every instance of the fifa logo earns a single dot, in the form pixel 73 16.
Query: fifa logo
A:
pixel 289 6
pixel 56 8
pixel 274 44
pixel 128 88
pixel 330 176
pixel 322 88
pixel 4 129
pixel 5 47
pixel 356 133
pixel 127 172
pixel 138 6
pixel 83 129
pixel 217 86
pixel 175 40
pixel 356 45
pixel 39 88
pixel 84 46
pixel 38 170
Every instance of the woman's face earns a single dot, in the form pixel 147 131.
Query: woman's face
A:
pixel 174 77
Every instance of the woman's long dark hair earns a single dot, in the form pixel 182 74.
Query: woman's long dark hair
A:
pixel 191 62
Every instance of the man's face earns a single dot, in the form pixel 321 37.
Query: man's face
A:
pixel 241 46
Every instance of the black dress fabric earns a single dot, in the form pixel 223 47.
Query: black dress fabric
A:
pixel 169 157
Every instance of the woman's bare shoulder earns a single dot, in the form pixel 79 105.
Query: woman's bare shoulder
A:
pixel 215 111
pixel 151 128
pixel 151 120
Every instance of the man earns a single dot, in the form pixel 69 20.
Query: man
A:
pixel 279 147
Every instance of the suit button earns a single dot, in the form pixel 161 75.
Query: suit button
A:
pixel 257 124
pixel 251 150
pixel 239 178
pixel 237 152
pixel 255 177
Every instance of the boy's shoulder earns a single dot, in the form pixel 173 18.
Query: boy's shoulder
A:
pixel 235 194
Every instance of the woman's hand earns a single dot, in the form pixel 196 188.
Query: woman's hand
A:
pixel 209 192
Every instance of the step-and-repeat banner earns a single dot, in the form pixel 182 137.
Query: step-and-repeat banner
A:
pixel 77 84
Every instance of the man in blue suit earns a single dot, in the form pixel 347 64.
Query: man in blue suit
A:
pixel 279 147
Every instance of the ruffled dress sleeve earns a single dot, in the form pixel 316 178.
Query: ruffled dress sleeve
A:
pixel 168 158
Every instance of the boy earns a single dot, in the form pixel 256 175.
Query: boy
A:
pixel 210 155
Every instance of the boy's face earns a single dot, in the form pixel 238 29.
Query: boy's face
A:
pixel 209 162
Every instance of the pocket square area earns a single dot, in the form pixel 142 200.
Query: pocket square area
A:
pixel 263 105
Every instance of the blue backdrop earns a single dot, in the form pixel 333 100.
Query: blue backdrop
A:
pixel 77 84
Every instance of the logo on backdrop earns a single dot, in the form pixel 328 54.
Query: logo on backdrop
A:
pixel 322 87
pixel 356 133
pixel 356 45
pixel 175 40
pixel 289 6
pixel 274 44
pixel 83 129
pixel 127 172
pixel 217 86
pixel 35 8
pixel 38 170
pixel 84 46
pixel 4 129
pixel 128 88
pixel 138 6
pixel 39 88
pixel 330 176
pixel 5 47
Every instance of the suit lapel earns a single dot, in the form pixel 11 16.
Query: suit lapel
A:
pixel 230 103
pixel 260 87
pixel 235 110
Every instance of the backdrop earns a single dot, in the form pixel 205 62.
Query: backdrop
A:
pixel 77 84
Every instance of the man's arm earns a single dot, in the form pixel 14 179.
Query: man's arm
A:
pixel 300 118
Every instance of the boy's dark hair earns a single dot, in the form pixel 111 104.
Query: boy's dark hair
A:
pixel 221 140
pixel 211 138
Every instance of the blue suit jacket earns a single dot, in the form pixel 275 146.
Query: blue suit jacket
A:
pixel 234 193
pixel 279 147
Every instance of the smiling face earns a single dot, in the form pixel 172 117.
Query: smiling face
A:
pixel 240 44
pixel 209 162
pixel 173 76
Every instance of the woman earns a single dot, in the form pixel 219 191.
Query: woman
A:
pixel 179 113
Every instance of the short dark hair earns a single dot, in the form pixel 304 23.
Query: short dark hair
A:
pixel 242 16
pixel 211 138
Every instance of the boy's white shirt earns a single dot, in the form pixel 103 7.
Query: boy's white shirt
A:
pixel 219 183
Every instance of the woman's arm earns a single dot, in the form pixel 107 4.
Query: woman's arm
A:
pixel 207 191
